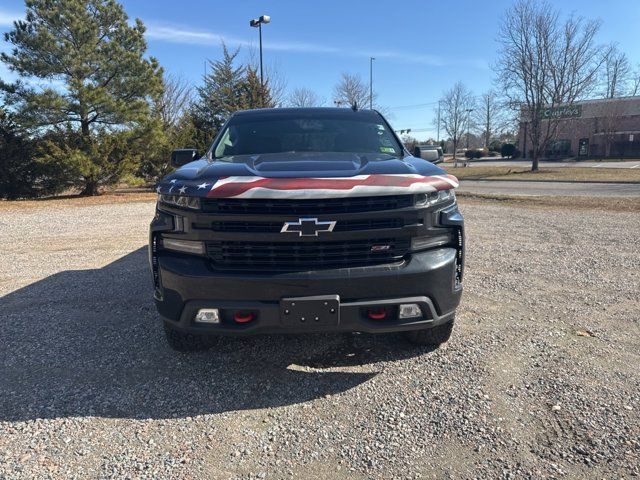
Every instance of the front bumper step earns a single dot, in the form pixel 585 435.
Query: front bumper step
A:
pixel 269 317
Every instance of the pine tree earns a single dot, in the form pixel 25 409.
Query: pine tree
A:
pixel 218 98
pixel 227 88
pixel 255 95
pixel 103 82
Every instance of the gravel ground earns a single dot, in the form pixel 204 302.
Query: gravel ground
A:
pixel 540 379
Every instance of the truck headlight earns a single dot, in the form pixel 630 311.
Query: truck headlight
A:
pixel 434 198
pixel 180 201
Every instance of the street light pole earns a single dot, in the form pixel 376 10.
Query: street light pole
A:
pixel 260 36
pixel 438 134
pixel 371 59
pixel 258 23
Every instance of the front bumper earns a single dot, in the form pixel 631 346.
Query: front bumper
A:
pixel 188 283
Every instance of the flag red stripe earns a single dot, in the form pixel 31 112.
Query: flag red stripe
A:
pixel 233 189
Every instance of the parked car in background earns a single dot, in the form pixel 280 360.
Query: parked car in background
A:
pixel 461 152
pixel 432 153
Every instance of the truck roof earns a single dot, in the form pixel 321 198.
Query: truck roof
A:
pixel 308 111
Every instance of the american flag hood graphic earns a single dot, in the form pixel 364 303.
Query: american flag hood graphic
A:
pixel 303 187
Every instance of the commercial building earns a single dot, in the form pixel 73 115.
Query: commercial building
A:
pixel 591 128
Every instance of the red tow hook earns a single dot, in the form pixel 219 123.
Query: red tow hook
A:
pixel 242 317
pixel 377 314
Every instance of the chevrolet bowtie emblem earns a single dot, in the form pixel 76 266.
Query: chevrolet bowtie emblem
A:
pixel 307 227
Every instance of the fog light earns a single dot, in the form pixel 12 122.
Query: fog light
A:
pixel 208 315
pixel 422 243
pixel 185 246
pixel 410 310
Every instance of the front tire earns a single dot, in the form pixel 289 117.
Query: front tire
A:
pixel 433 337
pixel 187 342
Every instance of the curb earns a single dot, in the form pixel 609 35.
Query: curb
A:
pixel 621 182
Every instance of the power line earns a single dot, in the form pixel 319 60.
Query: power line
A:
pixel 414 106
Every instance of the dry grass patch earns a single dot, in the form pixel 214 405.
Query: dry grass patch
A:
pixel 76 201
pixel 618 204
pixel 560 174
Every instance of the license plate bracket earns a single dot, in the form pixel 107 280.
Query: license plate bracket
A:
pixel 310 311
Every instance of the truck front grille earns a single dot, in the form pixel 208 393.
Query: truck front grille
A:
pixel 275 227
pixel 306 206
pixel 298 256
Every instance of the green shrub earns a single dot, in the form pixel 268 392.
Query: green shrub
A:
pixel 23 176
pixel 495 146
pixel 507 150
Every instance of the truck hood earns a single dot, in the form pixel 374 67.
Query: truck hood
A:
pixel 305 175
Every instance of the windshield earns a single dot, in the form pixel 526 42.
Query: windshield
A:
pixel 278 133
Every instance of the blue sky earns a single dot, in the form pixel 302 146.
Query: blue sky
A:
pixel 421 47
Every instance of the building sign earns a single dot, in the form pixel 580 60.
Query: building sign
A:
pixel 571 111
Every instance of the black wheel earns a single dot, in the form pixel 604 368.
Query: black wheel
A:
pixel 431 336
pixel 187 342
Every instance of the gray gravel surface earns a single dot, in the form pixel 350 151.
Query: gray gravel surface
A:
pixel 540 379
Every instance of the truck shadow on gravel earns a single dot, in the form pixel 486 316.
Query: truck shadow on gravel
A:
pixel 89 343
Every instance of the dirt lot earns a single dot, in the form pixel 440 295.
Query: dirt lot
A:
pixel 540 379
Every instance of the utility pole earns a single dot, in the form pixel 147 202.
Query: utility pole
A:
pixel 371 59
pixel 438 135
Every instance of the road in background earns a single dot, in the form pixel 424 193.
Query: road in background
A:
pixel 498 162
pixel 506 187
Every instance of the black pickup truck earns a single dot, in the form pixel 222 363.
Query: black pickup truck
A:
pixel 306 220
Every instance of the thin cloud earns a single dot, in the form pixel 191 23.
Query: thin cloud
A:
pixel 7 18
pixel 182 35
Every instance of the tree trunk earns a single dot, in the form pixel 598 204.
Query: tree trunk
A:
pixel 455 159
pixel 90 184
pixel 534 159
pixel 90 189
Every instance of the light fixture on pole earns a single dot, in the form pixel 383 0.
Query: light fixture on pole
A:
pixel 371 59
pixel 257 22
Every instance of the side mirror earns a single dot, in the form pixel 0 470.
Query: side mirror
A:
pixel 416 152
pixel 183 156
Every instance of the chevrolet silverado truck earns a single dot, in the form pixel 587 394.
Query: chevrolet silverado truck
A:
pixel 306 220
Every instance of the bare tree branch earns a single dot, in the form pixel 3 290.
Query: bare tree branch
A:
pixel 615 73
pixel 491 117
pixel 175 99
pixel 351 90
pixel 304 97
pixel 274 79
pixel 455 108
pixel 545 62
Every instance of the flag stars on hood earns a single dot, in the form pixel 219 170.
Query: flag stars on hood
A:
pixel 158 188
pixel 203 185
pixel 182 189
